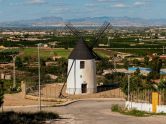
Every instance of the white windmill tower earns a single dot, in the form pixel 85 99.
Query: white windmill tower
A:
pixel 81 76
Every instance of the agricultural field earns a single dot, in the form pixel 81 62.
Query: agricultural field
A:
pixel 46 52
pixel 141 51
pixel 49 52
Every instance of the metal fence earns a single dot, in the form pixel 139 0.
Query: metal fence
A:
pixel 145 96
pixel 53 91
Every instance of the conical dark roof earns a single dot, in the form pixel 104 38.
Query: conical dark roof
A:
pixel 81 51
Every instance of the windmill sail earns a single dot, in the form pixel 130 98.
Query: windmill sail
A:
pixel 83 52
pixel 74 30
pixel 99 33
pixel 60 95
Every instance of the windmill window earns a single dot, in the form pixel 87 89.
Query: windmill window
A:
pixel 82 64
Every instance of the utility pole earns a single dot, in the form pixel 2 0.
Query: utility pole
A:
pixel 128 92
pixel 39 77
pixel 14 71
pixel 108 43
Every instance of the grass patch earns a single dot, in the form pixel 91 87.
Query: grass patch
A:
pixel 26 118
pixel 132 112
pixel 46 53
pixel 137 113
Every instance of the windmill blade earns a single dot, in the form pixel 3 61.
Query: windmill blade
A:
pixel 60 95
pixel 74 30
pixel 97 57
pixel 99 33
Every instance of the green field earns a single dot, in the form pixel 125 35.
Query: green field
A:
pixel 141 52
pixel 45 53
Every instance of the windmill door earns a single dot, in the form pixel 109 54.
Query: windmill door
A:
pixel 84 88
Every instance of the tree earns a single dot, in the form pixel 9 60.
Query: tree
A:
pixel 137 72
pixel 153 75
pixel 18 62
pixel 137 82
pixel 62 63
pixel 103 65
pixel 162 84
pixel 155 65
pixel 42 62
pixel 136 62
pixel 114 77
pixel 27 59
pixel 146 60
pixel 126 63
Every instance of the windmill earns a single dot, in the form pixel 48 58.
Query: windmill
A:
pixel 81 74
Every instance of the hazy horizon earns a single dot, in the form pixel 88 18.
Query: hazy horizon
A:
pixel 32 9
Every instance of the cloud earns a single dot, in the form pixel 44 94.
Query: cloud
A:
pixel 120 5
pixel 36 1
pixel 90 5
pixel 106 0
pixel 59 10
pixel 139 3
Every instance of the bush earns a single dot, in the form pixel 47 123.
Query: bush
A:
pixel 14 89
pixel 116 108
pixel 137 113
pixel 132 112
pixel 26 118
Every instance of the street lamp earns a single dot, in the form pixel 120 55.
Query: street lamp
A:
pixel 128 89
pixel 39 77
pixel 14 67
pixel 14 70
pixel 108 43
pixel 128 92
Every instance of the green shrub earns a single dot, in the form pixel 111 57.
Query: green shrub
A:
pixel 116 108
pixel 137 113
pixel 132 112
pixel 14 89
pixel 26 118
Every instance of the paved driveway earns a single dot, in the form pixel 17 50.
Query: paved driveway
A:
pixel 96 112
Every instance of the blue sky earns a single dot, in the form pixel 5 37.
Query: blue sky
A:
pixel 29 9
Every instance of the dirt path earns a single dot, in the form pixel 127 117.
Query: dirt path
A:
pixel 18 99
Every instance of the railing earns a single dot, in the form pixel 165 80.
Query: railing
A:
pixel 145 96
pixel 53 91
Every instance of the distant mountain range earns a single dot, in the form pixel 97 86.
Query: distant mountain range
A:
pixel 87 21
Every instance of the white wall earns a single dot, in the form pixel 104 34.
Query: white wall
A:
pixel 79 76
pixel 139 106
pixel 161 108
pixel 145 107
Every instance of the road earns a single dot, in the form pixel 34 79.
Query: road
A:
pixel 95 112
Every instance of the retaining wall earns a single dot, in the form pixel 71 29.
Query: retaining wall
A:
pixel 145 107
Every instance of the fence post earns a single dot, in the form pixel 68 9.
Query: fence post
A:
pixel 155 101
pixel 23 88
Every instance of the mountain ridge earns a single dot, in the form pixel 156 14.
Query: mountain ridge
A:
pixel 87 21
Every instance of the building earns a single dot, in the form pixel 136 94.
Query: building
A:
pixel 81 70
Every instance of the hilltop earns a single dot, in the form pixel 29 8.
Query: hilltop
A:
pixel 86 21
